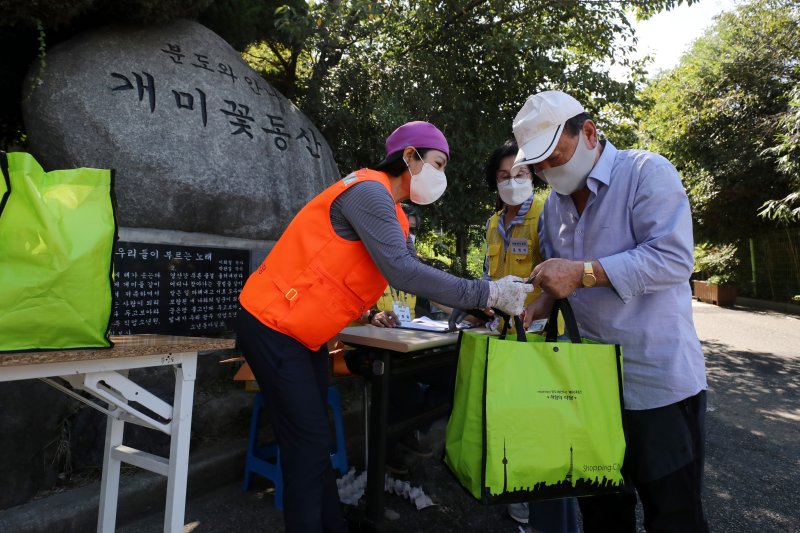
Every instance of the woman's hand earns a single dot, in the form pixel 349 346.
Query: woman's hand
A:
pixel 385 319
pixel 508 294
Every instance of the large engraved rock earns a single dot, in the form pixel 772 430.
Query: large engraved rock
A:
pixel 198 140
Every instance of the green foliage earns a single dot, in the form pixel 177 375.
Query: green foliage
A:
pixel 360 68
pixel 784 211
pixel 52 14
pixel 466 66
pixel 716 263
pixel 28 27
pixel 69 15
pixel 787 209
pixel 146 11
pixel 245 22
pixel 475 258
pixel 717 114
pixel 645 9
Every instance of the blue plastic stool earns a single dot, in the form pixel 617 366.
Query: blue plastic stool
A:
pixel 266 460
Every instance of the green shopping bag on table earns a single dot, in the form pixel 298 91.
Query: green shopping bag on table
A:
pixel 535 418
pixel 57 232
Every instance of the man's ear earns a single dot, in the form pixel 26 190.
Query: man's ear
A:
pixel 590 133
pixel 408 154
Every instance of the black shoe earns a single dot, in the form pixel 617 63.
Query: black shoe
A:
pixel 415 443
pixel 397 462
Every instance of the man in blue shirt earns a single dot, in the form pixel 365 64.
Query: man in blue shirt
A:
pixel 616 233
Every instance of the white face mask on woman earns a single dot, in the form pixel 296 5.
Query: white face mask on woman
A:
pixel 513 193
pixel 427 186
pixel 572 175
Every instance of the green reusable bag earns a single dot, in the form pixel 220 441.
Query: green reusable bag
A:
pixel 535 418
pixel 57 232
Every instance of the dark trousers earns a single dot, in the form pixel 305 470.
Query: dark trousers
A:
pixel 294 383
pixel 664 465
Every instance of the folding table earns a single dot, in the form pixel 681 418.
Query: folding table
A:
pixel 103 374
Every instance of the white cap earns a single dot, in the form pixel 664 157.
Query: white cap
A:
pixel 538 125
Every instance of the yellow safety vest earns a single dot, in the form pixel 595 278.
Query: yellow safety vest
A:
pixel 390 295
pixel 504 262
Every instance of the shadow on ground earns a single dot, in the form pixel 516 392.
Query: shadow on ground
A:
pixel 753 440
pixel 752 465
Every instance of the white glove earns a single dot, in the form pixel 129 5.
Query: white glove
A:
pixel 508 294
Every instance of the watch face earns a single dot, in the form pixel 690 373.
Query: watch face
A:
pixel 588 279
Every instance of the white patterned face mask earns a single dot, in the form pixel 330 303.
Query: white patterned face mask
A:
pixel 513 193
pixel 572 175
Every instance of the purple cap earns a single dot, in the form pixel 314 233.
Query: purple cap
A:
pixel 419 135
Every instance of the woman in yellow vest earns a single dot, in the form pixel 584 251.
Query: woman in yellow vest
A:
pixel 327 269
pixel 512 247
pixel 512 239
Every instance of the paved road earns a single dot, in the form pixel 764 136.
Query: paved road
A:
pixel 753 446
pixel 753 441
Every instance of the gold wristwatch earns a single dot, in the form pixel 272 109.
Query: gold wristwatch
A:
pixel 588 279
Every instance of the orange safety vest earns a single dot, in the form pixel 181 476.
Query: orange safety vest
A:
pixel 313 282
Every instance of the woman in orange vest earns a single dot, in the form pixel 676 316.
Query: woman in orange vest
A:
pixel 327 269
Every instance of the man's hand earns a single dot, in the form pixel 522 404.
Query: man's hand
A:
pixel 538 309
pixel 385 319
pixel 558 277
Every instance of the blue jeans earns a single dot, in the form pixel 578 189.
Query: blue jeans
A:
pixel 294 383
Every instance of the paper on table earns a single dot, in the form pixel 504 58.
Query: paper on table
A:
pixel 428 324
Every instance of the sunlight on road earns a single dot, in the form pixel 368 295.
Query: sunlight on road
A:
pixel 793 416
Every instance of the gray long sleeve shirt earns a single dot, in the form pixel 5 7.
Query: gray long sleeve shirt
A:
pixel 366 212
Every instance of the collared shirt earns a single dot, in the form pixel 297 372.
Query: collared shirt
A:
pixel 637 224
pixel 505 232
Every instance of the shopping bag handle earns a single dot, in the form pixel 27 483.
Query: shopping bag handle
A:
pixel 519 327
pixel 6 178
pixel 569 321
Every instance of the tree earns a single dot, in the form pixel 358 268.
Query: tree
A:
pixel 465 65
pixel 787 209
pixel 29 27
pixel 360 68
pixel 717 114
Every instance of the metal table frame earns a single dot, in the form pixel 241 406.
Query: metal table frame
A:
pixel 394 352
pixel 103 374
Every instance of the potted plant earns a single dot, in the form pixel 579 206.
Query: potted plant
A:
pixel 715 266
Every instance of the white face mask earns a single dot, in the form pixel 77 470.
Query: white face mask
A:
pixel 513 193
pixel 427 186
pixel 572 175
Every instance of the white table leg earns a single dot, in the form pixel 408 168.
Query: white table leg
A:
pixel 109 486
pixel 179 445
